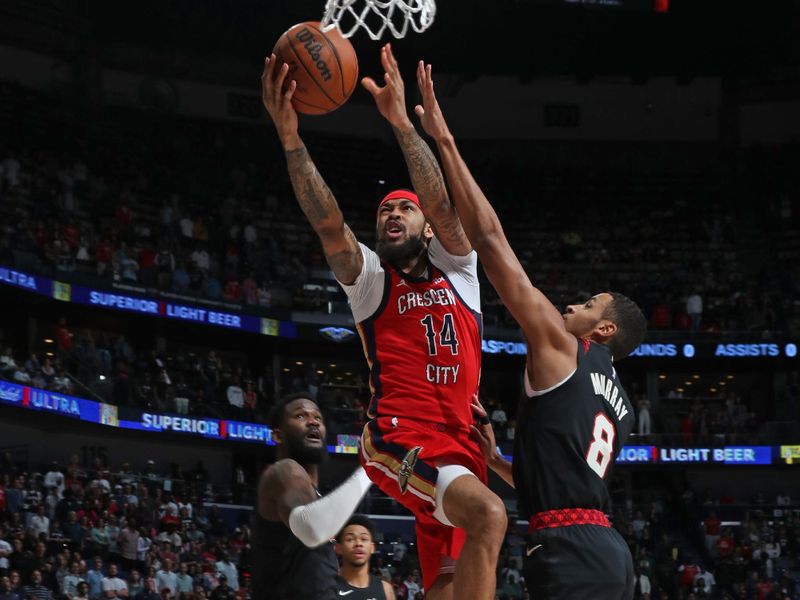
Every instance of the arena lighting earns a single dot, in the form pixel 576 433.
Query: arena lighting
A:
pixel 662 376
pixel 687 383
pixel 320 372
pixel 299 363
pixel 286 369
pixel 101 377
pixel 712 390
pixel 729 377
pixel 722 383
pixel 332 366
pixel 48 341
pixel 695 376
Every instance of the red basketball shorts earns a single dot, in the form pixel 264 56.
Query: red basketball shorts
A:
pixel 385 443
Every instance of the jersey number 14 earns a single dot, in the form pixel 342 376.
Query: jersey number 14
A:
pixel 601 450
pixel 447 336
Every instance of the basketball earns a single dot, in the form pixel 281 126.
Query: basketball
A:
pixel 324 65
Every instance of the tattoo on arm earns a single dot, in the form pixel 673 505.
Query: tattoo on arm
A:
pixel 317 202
pixel 426 175
pixel 313 194
pixel 345 262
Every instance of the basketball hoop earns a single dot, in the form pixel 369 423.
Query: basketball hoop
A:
pixel 376 16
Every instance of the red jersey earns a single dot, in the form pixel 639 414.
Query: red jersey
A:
pixel 423 346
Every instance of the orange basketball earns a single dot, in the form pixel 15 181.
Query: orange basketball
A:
pixel 324 65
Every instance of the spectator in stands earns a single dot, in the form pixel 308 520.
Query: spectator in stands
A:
pixel 5 551
pixel 149 591
pixel 54 479
pixel 705 581
pixel 411 583
pixel 135 583
pixel 228 569
pixel 35 589
pixel 694 308
pixel 6 592
pixel 184 581
pixel 94 577
pixel 113 585
pixel 39 523
pixel 83 592
pixel 235 394
pixel 166 578
pixel 223 591
pixel 69 586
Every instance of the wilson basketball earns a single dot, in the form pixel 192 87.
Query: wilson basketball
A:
pixel 324 65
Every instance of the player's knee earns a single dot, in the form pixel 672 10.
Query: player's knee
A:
pixel 488 519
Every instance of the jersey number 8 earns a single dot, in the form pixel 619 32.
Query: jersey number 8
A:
pixel 601 450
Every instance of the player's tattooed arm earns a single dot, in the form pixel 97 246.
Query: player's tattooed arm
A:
pixel 318 203
pixel 426 176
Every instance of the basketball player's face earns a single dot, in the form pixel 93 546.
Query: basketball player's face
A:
pixel 303 431
pixel 401 231
pixel 581 320
pixel 355 546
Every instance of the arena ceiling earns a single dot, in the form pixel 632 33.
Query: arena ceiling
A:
pixel 526 38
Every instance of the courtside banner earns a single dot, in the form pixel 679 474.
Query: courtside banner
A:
pixel 30 398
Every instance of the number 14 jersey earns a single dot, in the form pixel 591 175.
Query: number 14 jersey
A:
pixel 421 337
pixel 568 437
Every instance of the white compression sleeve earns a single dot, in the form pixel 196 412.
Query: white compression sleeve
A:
pixel 317 522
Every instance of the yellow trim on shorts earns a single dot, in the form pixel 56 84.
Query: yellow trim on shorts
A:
pixel 390 462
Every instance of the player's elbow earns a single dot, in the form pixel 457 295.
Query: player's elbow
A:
pixel 485 239
pixel 330 228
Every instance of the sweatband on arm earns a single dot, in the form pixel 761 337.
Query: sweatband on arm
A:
pixel 317 522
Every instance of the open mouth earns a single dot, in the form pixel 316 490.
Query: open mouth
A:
pixel 394 230
pixel 314 436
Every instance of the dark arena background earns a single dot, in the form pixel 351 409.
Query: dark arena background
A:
pixel 160 287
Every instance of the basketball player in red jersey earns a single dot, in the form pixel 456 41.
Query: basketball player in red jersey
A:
pixel 577 415
pixel 417 306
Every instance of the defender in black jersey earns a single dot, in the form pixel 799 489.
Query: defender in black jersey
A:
pixel 355 545
pixel 576 417
pixel 293 557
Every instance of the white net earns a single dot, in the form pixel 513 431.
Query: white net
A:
pixel 376 16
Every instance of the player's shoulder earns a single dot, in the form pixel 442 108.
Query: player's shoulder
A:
pixel 282 472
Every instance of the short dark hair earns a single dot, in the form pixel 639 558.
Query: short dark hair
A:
pixel 277 413
pixel 630 322
pixel 358 519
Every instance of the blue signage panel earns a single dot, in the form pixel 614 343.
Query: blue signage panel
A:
pixel 637 454
pixel 66 292
pixel 728 455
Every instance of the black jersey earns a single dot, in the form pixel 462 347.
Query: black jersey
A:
pixel 285 569
pixel 568 437
pixel 374 591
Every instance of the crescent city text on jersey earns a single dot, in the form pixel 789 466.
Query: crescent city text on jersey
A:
pixel 411 300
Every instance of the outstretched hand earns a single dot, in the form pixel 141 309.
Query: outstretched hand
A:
pixel 429 113
pixel 277 101
pixel 390 98
pixel 481 431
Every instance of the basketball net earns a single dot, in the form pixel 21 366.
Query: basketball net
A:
pixel 376 16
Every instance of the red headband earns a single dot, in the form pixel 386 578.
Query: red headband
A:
pixel 400 195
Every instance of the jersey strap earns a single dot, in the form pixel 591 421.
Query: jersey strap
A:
pixel 565 517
